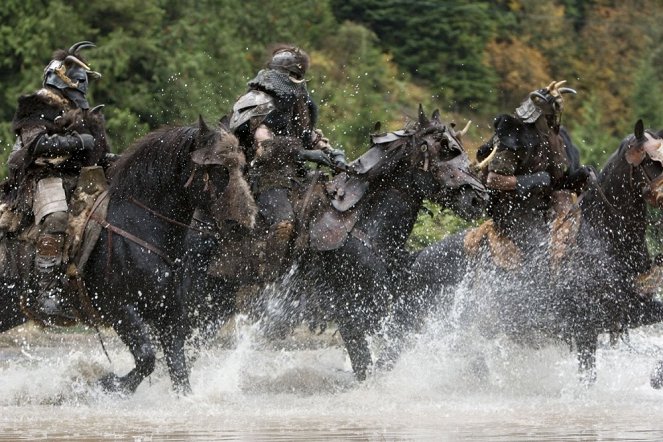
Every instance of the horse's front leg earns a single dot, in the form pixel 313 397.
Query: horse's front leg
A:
pixel 586 343
pixel 645 311
pixel 357 348
pixel 172 338
pixel 134 332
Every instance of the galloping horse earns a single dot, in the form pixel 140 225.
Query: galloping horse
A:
pixel 131 271
pixel 351 271
pixel 351 249
pixel 598 286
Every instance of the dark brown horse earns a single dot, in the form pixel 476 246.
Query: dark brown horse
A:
pixel 348 271
pixel 130 275
pixel 596 289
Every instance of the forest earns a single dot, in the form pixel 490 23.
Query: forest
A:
pixel 167 61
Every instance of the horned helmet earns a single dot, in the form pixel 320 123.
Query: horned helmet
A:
pixel 69 73
pixel 292 61
pixel 548 101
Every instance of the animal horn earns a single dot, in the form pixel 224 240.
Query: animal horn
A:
pixel 75 60
pixel 97 108
pixel 488 159
pixel 559 83
pixel 567 90
pixel 81 45
pixel 550 86
pixel 465 129
pixel 537 94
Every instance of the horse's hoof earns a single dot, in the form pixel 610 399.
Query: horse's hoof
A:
pixel 478 369
pixel 183 389
pixel 588 378
pixel 656 379
pixel 111 383
pixel 360 375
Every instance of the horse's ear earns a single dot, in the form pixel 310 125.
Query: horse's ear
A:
pixel 377 127
pixel 639 130
pixel 436 116
pixel 423 121
pixel 635 154
pixel 224 123
pixel 202 125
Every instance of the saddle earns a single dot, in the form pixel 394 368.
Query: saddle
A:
pixel 330 229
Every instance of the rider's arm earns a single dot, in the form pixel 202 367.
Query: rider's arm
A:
pixel 41 143
pixel 502 174
pixel 336 156
pixel 56 145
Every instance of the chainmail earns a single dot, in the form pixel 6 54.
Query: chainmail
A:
pixel 279 83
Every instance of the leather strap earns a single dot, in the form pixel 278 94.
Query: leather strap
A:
pixel 133 238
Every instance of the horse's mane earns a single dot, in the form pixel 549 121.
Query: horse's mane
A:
pixel 153 162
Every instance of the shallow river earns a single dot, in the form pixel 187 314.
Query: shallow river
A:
pixel 303 389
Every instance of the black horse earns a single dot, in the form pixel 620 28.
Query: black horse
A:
pixel 593 289
pixel 130 275
pixel 357 253
pixel 347 256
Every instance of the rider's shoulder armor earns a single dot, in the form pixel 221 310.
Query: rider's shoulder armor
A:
pixel 254 103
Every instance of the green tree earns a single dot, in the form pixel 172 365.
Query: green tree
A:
pixel 589 132
pixel 441 43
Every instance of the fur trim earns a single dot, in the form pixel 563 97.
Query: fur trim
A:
pixel 40 108
pixel 278 152
pixel 504 252
pixel 237 203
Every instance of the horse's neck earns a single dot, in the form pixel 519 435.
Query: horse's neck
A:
pixel 618 213
pixel 390 212
pixel 153 216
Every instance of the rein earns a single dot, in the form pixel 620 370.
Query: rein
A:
pixel 167 219
pixel 133 238
pixel 604 198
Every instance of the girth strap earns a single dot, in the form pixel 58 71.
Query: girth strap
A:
pixel 133 238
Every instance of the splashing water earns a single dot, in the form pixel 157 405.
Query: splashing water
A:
pixel 449 383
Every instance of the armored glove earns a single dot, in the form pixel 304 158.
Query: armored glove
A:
pixel 336 156
pixel 316 156
pixel 338 159
pixel 578 180
pixel 55 145
pixel 529 182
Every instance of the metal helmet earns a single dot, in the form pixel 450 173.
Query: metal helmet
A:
pixel 292 61
pixel 68 73
pixel 547 101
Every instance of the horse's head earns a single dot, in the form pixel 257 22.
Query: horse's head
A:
pixel 218 171
pixel 644 151
pixel 438 151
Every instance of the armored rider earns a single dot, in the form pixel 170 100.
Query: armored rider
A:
pixel 278 114
pixel 532 166
pixel 56 135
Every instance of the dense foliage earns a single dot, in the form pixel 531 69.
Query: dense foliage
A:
pixel 166 61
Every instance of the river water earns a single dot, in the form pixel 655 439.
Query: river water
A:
pixel 302 389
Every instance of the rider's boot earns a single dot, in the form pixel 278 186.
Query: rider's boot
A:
pixel 278 249
pixel 48 272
